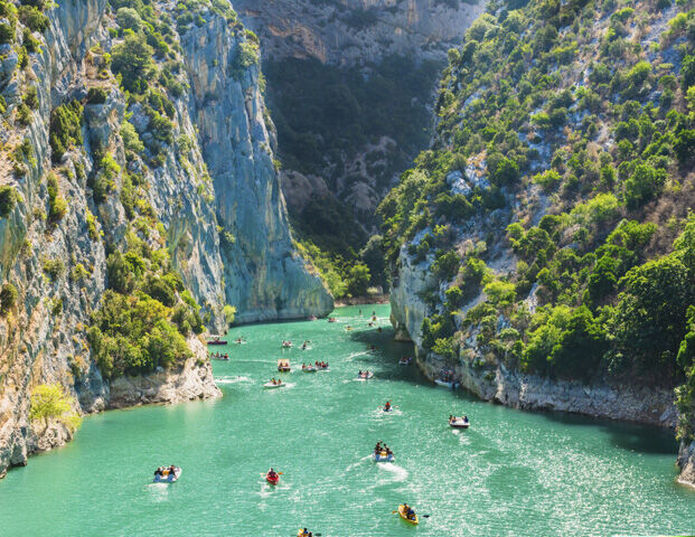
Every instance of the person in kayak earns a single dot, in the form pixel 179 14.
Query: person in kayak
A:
pixel 272 474
pixel 409 511
pixel 387 406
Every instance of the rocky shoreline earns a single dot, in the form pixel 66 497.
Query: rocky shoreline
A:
pixel 192 380
pixel 530 392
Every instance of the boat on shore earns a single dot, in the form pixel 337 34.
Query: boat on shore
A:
pixel 406 360
pixel 446 383
pixel 217 340
pixel 402 512
pixel 167 474
pixel 284 365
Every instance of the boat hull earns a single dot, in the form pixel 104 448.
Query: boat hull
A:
pixel 384 458
pixel 414 521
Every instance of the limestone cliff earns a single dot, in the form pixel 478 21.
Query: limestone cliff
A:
pixel 167 189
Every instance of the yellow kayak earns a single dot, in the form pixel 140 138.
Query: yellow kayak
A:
pixel 401 511
pixel 301 533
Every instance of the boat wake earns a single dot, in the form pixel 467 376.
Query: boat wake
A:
pixel 232 380
pixel 398 472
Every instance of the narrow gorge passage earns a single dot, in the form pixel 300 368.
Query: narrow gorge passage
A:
pixel 511 473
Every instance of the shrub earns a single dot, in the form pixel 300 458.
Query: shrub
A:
pixel 8 199
pixel 6 33
pixel 8 298
pixel 65 129
pixel 132 59
pixel 97 95
pixel 33 18
pixel 50 402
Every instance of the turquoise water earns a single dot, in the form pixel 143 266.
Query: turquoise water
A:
pixel 513 473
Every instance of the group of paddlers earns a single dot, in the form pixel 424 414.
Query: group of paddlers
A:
pixel 219 356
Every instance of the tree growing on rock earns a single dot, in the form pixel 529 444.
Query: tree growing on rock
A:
pixel 50 402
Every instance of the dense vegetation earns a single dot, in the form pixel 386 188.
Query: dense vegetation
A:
pixel 565 143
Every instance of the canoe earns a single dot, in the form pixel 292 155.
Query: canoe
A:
pixel 414 521
pixel 217 342
pixel 271 386
pixel 457 423
pixel 383 457
pixel 272 480
pixel 167 476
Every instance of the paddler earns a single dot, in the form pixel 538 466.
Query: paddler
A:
pixel 387 406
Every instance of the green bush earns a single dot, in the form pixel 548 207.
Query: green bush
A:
pixel 132 60
pixel 97 95
pixel 8 298
pixel 33 18
pixel 8 199
pixel 65 129
pixel 6 33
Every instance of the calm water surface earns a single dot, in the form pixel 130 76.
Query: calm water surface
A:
pixel 512 474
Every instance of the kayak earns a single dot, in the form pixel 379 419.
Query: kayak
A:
pixel 272 480
pixel 405 361
pixel 458 423
pixel 401 511
pixel 301 533
pixel 446 383
pixel 366 376
pixel 167 476
pixel 270 385
pixel 383 457
pixel 389 409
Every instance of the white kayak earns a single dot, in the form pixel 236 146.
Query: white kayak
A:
pixel 459 423
pixel 446 383
pixel 167 476
pixel 271 386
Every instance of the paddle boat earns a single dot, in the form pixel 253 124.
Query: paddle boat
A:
pixel 167 474
pixel 286 344
pixel 322 366
pixel 364 375
pixel 218 356
pixel 406 360
pixel 383 456
pixel 284 365
pixel 272 385
pixel 332 320
pixel 216 340
pixel 309 368
pixel 403 512
pixel 458 422
pixel 272 478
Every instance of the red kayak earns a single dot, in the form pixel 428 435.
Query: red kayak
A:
pixel 273 480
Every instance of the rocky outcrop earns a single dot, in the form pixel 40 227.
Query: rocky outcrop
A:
pixel 265 277
pixel 358 31
pixel 225 231
pixel 686 463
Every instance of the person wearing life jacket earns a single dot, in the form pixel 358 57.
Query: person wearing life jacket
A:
pixel 387 406
pixel 408 511
pixel 272 474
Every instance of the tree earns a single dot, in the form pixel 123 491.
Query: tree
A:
pixel 8 298
pixel 132 59
pixel 358 279
pixel 49 401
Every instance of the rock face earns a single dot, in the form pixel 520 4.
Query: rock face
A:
pixel 358 31
pixel 266 279
pixel 686 462
pixel 225 230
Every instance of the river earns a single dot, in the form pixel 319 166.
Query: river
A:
pixel 512 473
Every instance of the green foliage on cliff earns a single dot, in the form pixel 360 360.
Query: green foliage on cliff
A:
pixel 50 402
pixel 8 298
pixel 65 129
pixel 564 137
pixel 8 199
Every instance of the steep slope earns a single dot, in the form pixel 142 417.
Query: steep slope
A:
pixel 137 200
pixel 350 87
pixel 543 248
